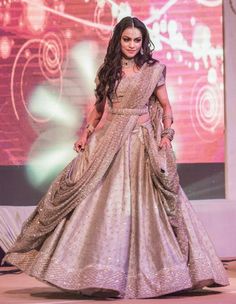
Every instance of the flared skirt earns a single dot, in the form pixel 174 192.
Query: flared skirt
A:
pixel 120 237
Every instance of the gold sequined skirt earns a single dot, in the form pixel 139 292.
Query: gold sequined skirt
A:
pixel 120 238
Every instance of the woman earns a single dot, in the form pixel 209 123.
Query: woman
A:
pixel 116 219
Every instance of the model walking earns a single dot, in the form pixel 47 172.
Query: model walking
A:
pixel 116 219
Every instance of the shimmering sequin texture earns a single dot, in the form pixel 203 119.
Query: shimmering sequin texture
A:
pixel 116 217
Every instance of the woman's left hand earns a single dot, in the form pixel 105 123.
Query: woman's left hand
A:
pixel 165 143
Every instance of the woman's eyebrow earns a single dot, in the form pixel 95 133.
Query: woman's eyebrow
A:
pixel 131 37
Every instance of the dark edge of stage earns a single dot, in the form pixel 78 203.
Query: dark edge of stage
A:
pixel 199 181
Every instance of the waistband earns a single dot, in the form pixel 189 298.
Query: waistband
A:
pixel 126 111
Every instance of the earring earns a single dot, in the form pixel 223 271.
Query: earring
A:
pixel 141 51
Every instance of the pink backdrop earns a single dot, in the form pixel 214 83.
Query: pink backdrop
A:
pixel 50 51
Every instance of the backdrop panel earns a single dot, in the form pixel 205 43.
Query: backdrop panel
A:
pixel 49 54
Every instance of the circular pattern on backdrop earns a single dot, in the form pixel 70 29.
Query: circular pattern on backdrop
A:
pixel 37 61
pixel 51 55
pixel 206 110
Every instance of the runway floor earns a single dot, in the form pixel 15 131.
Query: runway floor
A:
pixel 20 288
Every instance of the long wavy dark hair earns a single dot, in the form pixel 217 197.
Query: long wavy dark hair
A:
pixel 111 70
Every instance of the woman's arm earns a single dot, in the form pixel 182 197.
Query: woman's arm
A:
pixel 161 94
pixel 93 120
pixel 167 118
pixel 95 115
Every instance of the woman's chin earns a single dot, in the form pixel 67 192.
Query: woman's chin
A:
pixel 129 55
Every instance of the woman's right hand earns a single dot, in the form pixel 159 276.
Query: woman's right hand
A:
pixel 79 145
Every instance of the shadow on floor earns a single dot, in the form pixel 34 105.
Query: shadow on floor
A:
pixel 50 294
pixel 191 293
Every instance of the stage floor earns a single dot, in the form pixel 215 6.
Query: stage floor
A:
pixel 20 288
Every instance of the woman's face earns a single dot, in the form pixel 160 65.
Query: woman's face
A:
pixel 131 42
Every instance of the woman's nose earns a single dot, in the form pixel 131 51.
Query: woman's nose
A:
pixel 131 43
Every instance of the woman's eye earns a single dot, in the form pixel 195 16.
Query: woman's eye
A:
pixel 135 40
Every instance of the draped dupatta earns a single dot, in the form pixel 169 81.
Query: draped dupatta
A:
pixel 65 194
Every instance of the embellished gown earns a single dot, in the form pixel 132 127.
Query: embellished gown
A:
pixel 116 219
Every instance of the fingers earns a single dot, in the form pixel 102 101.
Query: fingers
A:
pixel 165 144
pixel 79 147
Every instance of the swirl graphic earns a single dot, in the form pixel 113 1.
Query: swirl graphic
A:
pixel 51 55
pixel 207 112
pixel 43 59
